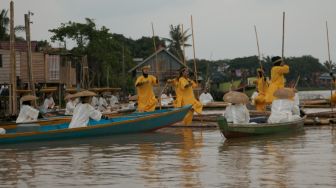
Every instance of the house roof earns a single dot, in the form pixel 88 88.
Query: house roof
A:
pixel 19 45
pixel 151 56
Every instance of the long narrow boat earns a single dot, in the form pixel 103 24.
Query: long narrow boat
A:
pixel 230 130
pixel 132 123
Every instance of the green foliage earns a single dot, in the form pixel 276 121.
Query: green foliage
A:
pixel 177 40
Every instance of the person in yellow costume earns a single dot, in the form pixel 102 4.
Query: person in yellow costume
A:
pixel 262 86
pixel 278 71
pixel 333 96
pixel 175 84
pixel 186 86
pixel 144 85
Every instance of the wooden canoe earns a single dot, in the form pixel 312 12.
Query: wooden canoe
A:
pixel 132 123
pixel 230 130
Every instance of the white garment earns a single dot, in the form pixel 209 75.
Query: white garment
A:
pixel 238 114
pixel 102 104
pixel 283 110
pixel 166 100
pixel 27 114
pixel 95 102
pixel 205 98
pixel 48 104
pixel 113 100
pixel 254 95
pixel 82 115
pixel 1 89
pixel 2 131
pixel 296 99
pixel 70 107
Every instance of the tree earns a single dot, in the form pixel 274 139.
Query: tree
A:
pixel 4 23
pixel 177 40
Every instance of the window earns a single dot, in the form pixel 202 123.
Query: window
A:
pixel 54 67
pixel 0 60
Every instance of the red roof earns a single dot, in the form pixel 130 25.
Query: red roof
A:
pixel 19 46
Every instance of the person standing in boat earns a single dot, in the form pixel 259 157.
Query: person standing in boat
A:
pixel 278 71
pixel 236 112
pixel 283 107
pixel 144 85
pixel 70 105
pixel 187 97
pixel 84 111
pixel 175 84
pixel 27 112
pixel 262 86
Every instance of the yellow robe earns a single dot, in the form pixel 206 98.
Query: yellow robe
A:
pixel 333 96
pixel 262 86
pixel 277 81
pixel 187 97
pixel 178 101
pixel 146 98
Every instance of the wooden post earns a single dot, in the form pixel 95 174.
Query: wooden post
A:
pixel 157 65
pixel 283 35
pixel 12 61
pixel 31 84
pixel 330 68
pixel 193 41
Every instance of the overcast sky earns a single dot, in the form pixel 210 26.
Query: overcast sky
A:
pixel 224 29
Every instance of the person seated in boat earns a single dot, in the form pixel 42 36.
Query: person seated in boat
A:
pixel 166 99
pixel 27 112
pixel 102 103
pixel 144 85
pixel 48 104
pixel 283 108
pixel 2 131
pixel 262 85
pixel 236 112
pixel 113 100
pixel 278 71
pixel 95 101
pixel 70 105
pixel 187 97
pixel 206 97
pixel 84 111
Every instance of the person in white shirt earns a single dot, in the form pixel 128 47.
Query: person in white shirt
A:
pixel 48 104
pixel 166 100
pixel 283 107
pixel 95 102
pixel 236 112
pixel 102 103
pixel 84 111
pixel 27 112
pixel 70 105
pixel 113 100
pixel 205 97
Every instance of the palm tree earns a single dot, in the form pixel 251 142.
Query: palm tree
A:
pixel 177 40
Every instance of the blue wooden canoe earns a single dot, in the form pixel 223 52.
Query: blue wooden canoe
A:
pixel 132 123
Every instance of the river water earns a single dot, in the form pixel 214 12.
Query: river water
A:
pixel 175 157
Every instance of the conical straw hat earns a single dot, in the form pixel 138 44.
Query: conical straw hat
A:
pixel 284 93
pixel 84 94
pixel 236 97
pixel 28 98
pixel 68 96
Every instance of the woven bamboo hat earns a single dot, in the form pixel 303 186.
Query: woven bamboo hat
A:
pixel 28 98
pixel 236 97
pixel 84 94
pixel 284 93
pixel 68 96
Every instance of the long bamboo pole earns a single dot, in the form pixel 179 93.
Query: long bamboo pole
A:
pixel 156 64
pixel 29 55
pixel 183 47
pixel 194 53
pixel 330 67
pixel 283 35
pixel 256 34
pixel 12 60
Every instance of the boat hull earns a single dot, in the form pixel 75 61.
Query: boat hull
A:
pixel 130 124
pixel 245 130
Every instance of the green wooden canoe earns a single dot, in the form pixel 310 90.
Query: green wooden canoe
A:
pixel 230 130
